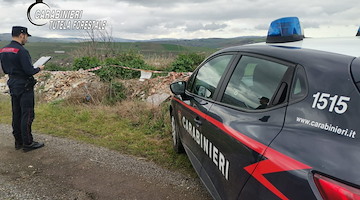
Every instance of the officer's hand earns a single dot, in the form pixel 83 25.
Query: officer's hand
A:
pixel 42 67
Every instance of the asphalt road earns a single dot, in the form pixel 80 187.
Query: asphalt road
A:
pixel 66 169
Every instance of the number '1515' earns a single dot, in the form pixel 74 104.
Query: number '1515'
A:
pixel 333 103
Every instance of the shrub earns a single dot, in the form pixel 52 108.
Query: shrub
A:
pixel 116 92
pixel 128 59
pixel 86 63
pixel 108 73
pixel 132 59
pixel 187 62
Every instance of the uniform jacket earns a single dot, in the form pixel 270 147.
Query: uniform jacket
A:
pixel 16 61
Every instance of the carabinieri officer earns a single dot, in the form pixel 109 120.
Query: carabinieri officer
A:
pixel 16 62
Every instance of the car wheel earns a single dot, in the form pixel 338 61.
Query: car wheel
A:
pixel 177 145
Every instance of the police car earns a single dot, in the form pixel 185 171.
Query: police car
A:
pixel 278 120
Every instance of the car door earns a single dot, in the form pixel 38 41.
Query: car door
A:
pixel 247 115
pixel 201 89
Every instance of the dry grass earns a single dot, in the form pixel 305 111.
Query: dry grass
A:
pixel 141 114
pixel 160 62
pixel 90 94
pixel 131 127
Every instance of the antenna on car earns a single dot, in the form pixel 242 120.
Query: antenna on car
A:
pixel 287 29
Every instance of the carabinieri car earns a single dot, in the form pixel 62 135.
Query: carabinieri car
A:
pixel 278 120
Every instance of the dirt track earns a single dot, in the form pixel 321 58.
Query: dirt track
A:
pixel 65 169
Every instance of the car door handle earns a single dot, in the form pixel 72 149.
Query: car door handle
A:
pixel 198 121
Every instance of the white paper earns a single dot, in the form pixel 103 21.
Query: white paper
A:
pixel 145 75
pixel 41 61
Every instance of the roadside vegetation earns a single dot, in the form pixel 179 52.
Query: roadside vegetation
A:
pixel 116 122
pixel 130 127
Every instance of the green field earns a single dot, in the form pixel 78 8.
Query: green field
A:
pixel 147 49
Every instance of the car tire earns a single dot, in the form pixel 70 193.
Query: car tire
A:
pixel 177 145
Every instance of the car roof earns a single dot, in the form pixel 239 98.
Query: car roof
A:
pixel 344 45
pixel 309 52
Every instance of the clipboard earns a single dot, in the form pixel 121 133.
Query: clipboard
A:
pixel 41 61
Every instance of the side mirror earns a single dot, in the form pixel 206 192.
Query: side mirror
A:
pixel 178 88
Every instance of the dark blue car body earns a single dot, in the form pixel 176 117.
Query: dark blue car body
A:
pixel 272 121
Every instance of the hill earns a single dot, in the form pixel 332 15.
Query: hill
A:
pixel 215 43
pixel 65 52
pixel 7 37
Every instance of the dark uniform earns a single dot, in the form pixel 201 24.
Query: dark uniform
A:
pixel 16 62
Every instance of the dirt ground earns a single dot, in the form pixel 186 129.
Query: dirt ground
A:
pixel 66 169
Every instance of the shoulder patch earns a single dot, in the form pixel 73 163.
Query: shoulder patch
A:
pixel 9 50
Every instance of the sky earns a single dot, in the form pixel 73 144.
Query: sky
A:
pixel 184 19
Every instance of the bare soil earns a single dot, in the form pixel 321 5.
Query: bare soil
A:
pixel 66 169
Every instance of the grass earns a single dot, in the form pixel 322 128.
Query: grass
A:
pixel 128 127
pixel 5 110
pixel 38 49
pixel 161 62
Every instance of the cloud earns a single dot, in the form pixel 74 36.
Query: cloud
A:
pixel 311 24
pixel 146 19
pixel 262 27
pixel 207 27
pixel 161 3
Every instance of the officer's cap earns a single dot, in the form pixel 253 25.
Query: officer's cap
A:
pixel 17 30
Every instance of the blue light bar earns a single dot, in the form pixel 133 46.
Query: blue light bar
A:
pixel 287 29
pixel 358 33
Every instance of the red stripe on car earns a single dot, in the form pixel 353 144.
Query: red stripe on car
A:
pixel 275 162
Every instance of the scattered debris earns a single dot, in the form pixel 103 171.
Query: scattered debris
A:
pixel 157 99
pixel 62 85
pixel 3 86
pixel 85 86
pixel 152 90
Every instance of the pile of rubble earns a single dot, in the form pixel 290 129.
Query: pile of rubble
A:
pixel 53 86
pixel 154 90
pixel 63 85
pixel 83 85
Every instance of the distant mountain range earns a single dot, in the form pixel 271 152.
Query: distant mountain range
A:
pixel 214 42
pixel 7 37
pixel 205 42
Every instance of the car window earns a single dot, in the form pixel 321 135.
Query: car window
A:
pixel 299 89
pixel 253 83
pixel 208 76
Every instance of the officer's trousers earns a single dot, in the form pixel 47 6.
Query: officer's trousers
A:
pixel 23 103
